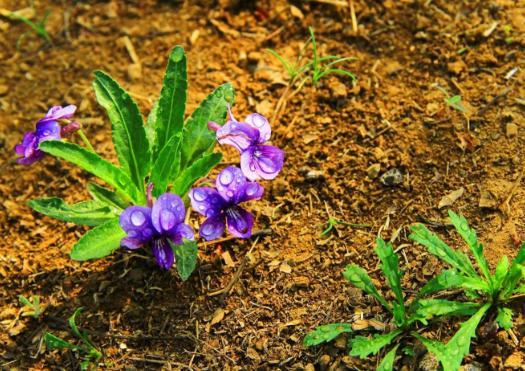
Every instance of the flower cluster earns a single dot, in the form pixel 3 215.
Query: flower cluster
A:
pixel 47 128
pixel 258 161
pixel 157 226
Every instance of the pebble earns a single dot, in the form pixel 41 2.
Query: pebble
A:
pixel 511 130
pixel 314 175
pixel 337 89
pixel 3 89
pixel 324 361
pixel 473 366
pixel 309 367
pixel 373 171
pixel 392 177
pixel 135 71
pixel 515 361
pixel 429 362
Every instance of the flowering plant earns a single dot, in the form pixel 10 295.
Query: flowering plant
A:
pixel 169 153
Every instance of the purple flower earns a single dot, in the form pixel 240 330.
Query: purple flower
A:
pixel 156 226
pixel 47 128
pixel 257 159
pixel 220 205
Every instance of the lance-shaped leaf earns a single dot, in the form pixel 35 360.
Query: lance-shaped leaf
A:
pixel 167 166
pixel 129 134
pixel 390 267
pixel 437 247
pixel 185 258
pixel 363 347
pixel 358 277
pixel 469 235
pixel 451 355
pixel 426 309
pixel 169 115
pixel 90 213
pixel 197 138
pixel 504 318
pixel 54 342
pixel 106 196
pixel 99 241
pixel 446 280
pixel 326 333
pixel 94 164
pixel 197 170
pixel 387 364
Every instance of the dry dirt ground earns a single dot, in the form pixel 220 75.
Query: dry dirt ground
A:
pixel 336 137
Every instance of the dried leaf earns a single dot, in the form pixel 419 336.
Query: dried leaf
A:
pixel 452 197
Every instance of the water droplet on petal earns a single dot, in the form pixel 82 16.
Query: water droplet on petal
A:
pixel 137 218
pixel 226 177
pixel 198 195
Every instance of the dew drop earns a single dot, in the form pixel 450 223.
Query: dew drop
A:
pixel 226 177
pixel 198 195
pixel 137 218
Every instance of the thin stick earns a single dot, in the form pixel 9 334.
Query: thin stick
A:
pixel 262 232
pixel 225 291
pixel 352 15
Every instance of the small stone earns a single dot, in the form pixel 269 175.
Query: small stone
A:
pixel 314 175
pixel 515 361
pixel 337 89
pixel 511 130
pixel 392 177
pixel 135 71
pixel 340 342
pixel 3 90
pixel 473 366
pixel 456 67
pixel 309 367
pixel 254 56
pixel 487 200
pixel 324 361
pixel 373 171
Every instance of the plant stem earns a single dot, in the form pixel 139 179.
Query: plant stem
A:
pixel 85 139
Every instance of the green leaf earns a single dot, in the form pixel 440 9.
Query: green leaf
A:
pixel 169 116
pixel 107 197
pixel 504 318
pixel 99 241
pixel 446 280
pixel 92 350
pixel 73 322
pixel 358 277
pixel 195 171
pixel 451 355
pixel 167 166
pixel 22 299
pixel 197 139
pixel 96 165
pixel 512 279
pixel 186 258
pixel 519 290
pixel 437 247
pixel 363 347
pixel 326 333
pixel 520 258
pixel 426 309
pixel 390 267
pixel 129 134
pixel 469 235
pixel 54 342
pixel 90 213
pixel 387 364
pixel 500 274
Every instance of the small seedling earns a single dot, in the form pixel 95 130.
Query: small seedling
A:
pixel 38 26
pixel 33 307
pixel 332 223
pixel 305 69
pixel 86 349
pixel 453 101
pixel 493 291
pixel 404 315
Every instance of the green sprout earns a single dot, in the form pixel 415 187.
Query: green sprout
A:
pixel 453 101
pixel 404 315
pixel 332 223
pixel 305 69
pixel 86 349
pixel 39 26
pixel 34 308
pixel 507 30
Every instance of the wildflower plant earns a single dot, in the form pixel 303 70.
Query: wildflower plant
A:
pixel 493 291
pixel 405 315
pixel 31 307
pixel 158 164
pixel 85 348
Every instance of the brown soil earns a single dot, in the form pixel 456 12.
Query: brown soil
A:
pixel 392 116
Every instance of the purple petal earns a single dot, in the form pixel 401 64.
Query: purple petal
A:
pixel 240 222
pixel 36 156
pixel 251 191
pixel 59 112
pixel 262 162
pixel 163 253
pixel 260 123
pixel 167 212
pixel 206 201
pixel 181 232
pixel 28 149
pixel 49 130
pixel 212 228
pixel 230 184
pixel 136 222
pixel 131 243
pixel 237 134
